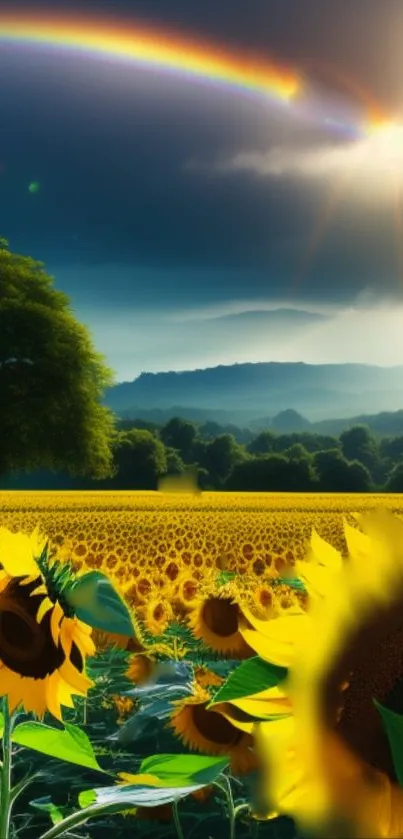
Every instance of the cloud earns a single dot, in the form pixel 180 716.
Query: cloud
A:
pixel 281 161
pixel 373 162
pixel 139 341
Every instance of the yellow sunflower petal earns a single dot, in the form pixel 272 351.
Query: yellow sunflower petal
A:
pixel 324 553
pixel 358 544
pixel 276 643
pixel 84 642
pixel 38 541
pixel 79 681
pixel 291 789
pixel 35 695
pixel 263 707
pixel 40 589
pixel 55 619
pixel 224 708
pixel 285 626
pixel 66 635
pixel 64 693
pixel 52 696
pixel 316 578
pixel 12 687
pixel 45 606
pixel 31 579
pixel 84 627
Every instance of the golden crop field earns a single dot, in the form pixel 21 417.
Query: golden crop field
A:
pixel 199 657
pixel 172 540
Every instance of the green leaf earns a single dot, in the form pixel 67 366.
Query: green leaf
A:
pixel 225 577
pixel 96 602
pixel 183 769
pixel 88 797
pixel 1 725
pixel 121 797
pixel 47 806
pixel 252 676
pixel 69 744
pixel 292 582
pixel 393 725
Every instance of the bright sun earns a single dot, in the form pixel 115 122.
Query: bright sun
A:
pixel 382 149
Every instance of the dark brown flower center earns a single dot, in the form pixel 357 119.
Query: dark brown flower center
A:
pixel 221 616
pixel 26 647
pixel 372 664
pixel 215 727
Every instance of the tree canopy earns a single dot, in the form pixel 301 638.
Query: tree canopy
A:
pixel 51 378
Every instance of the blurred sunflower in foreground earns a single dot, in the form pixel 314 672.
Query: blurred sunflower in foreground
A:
pixel 42 645
pixel 329 764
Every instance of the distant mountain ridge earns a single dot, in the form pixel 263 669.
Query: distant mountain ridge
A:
pixel 246 392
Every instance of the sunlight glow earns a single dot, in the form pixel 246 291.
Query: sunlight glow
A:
pixel 383 148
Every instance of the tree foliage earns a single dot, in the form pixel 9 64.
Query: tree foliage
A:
pixel 140 460
pixel 51 378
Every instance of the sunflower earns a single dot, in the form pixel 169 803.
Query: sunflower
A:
pixel 42 644
pixel 263 600
pixel 268 600
pixel 142 667
pixel 207 678
pixel 329 764
pixel 158 614
pixel 215 620
pixel 209 732
pixel 124 706
pixel 187 590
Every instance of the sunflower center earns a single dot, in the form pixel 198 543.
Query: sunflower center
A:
pixel 372 665
pixel 159 612
pixel 221 616
pixel 214 727
pixel 26 647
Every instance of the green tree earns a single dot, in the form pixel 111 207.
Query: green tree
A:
pixel 51 378
pixel 298 452
pixel 179 434
pixel 140 460
pixel 312 442
pixel 394 482
pixel 336 474
pixel 391 451
pixel 263 443
pixel 272 473
pixel 358 443
pixel 222 454
pixel 175 464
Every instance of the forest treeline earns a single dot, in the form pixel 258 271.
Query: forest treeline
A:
pixel 144 452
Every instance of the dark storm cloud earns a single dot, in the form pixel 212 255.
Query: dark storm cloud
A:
pixel 110 146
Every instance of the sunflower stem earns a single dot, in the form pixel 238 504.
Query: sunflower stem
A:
pixel 178 826
pixel 5 776
pixel 225 786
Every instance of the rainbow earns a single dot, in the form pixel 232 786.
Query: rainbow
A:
pixel 148 48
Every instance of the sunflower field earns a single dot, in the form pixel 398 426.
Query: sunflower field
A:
pixel 201 665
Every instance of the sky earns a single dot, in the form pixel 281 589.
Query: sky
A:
pixel 194 223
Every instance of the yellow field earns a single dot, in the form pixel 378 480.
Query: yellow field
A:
pixel 142 539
